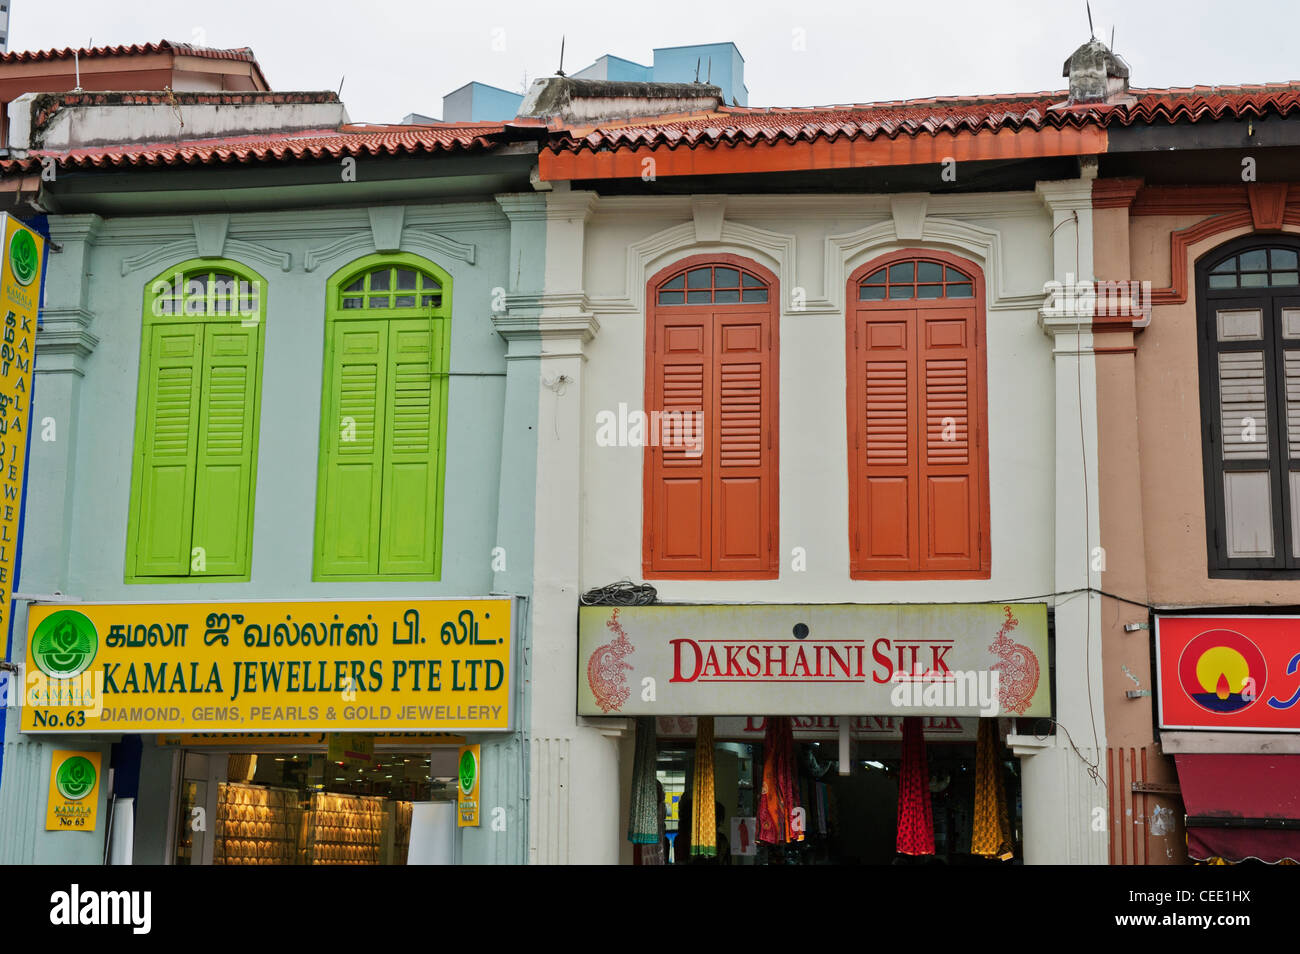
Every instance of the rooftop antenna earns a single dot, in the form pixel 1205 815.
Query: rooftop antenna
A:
pixel 341 79
pixel 697 69
pixel 709 78
pixel 560 71
pixel 1092 34
pixel 1112 38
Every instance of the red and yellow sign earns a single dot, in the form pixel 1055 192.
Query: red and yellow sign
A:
pixel 1240 673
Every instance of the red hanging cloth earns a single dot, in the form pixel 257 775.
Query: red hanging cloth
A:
pixel 780 797
pixel 915 820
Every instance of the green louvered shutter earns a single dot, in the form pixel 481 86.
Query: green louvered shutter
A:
pixel 171 417
pixel 352 434
pixel 227 439
pixel 413 415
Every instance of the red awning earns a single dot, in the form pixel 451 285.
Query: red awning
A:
pixel 1241 806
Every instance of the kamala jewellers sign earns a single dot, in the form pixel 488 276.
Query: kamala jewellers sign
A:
pixel 845 659
pixel 347 665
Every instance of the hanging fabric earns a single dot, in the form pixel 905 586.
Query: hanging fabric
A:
pixel 704 822
pixel 991 832
pixel 780 794
pixel 915 821
pixel 644 826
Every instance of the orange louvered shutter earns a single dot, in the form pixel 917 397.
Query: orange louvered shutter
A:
pixel 950 484
pixel 711 478
pixel 741 473
pixel 681 484
pixel 886 531
pixel 918 495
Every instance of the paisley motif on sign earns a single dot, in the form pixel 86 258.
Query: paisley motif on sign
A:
pixel 1018 669
pixel 606 670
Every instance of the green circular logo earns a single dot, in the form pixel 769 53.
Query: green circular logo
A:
pixel 76 777
pixel 23 256
pixel 468 771
pixel 64 644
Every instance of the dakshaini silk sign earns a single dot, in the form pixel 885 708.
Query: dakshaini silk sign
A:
pixel 399 665
pixel 953 660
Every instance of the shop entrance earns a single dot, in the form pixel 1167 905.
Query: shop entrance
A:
pixel 846 819
pixel 304 806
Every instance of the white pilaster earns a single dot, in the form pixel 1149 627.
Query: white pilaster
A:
pixel 1064 800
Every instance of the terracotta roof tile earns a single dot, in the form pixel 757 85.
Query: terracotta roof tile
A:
pixel 133 49
pixel 354 140
pixel 736 124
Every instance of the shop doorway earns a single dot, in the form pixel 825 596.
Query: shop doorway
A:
pixel 282 807
pixel 847 819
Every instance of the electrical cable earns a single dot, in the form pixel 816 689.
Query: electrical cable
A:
pixel 622 593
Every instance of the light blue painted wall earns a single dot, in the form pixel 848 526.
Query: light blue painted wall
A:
pixel 677 64
pixel 616 69
pixel 78 500
pixel 478 102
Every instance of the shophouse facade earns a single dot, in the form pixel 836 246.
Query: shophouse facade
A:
pixel 828 302
pixel 274 389
pixel 1195 400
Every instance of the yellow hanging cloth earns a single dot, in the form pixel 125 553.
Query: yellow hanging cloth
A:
pixel 704 825
pixel 991 831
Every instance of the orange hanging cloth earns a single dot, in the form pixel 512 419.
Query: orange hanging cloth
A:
pixel 780 796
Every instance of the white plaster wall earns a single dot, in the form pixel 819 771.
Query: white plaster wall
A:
pixel 813 450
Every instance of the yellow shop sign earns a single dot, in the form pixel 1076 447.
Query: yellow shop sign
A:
pixel 363 666
pixel 73 804
pixel 20 289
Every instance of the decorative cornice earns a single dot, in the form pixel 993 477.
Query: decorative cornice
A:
pixel 364 242
pixel 1066 194
pixel 708 213
pixel 1181 240
pixel 75 228
pixel 844 253
pixel 386 227
pixel 774 250
pixel 1114 193
pixel 1267 204
pixel 909 215
pixel 210 233
pixel 522 206
pixel 583 327
pixel 64 341
pixel 574 206
pixel 188 248
pixel 440 244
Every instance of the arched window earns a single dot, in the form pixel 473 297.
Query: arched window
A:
pixel 1248 304
pixel 197 412
pixel 711 458
pixel 383 420
pixel 918 456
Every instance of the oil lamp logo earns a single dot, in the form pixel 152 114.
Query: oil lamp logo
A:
pixel 23 258
pixel 1222 671
pixel 76 777
pixel 64 644
pixel 468 772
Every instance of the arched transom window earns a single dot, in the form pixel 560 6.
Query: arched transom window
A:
pixel 714 285
pixel 391 287
pixel 915 280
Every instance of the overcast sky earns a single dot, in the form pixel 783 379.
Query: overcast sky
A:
pixel 401 57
